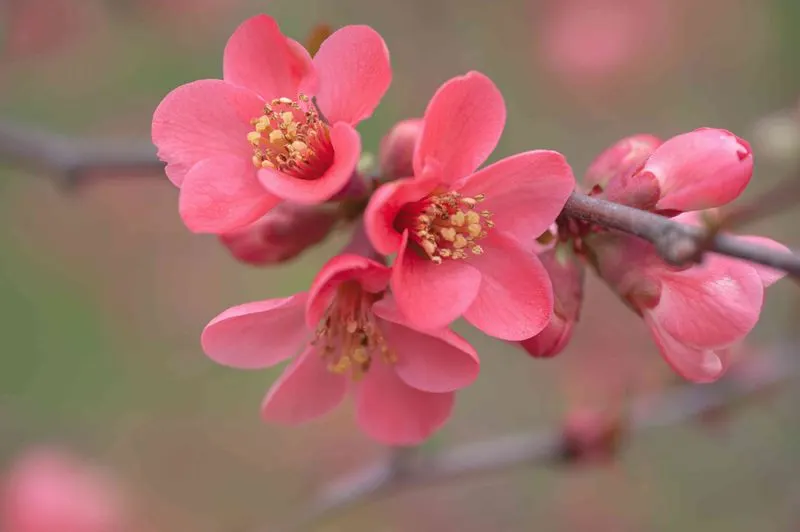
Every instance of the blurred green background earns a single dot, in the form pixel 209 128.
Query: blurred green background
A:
pixel 103 293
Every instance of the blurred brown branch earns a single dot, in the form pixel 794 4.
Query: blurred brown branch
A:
pixel 677 243
pixel 74 159
pixel 406 468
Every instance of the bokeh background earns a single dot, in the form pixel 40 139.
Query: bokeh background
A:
pixel 103 293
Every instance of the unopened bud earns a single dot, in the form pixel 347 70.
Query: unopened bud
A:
pixel 280 235
pixel 620 161
pixel 566 274
pixel 397 149
pixel 590 436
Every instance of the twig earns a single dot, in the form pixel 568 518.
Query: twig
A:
pixel 74 160
pixel 546 447
pixel 677 243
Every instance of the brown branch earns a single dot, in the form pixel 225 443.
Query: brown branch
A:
pixel 676 243
pixel 405 469
pixel 74 159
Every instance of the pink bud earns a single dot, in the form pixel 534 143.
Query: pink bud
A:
pixel 281 234
pixel 397 148
pixel 702 169
pixel 622 159
pixel 49 491
pixel 590 436
pixel 567 275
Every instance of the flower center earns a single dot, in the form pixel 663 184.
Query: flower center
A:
pixel 348 336
pixel 292 138
pixel 447 226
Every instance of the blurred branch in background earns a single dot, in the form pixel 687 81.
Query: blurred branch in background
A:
pixel 590 439
pixel 73 160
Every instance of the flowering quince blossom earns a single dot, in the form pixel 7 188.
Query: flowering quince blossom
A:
pixel 463 237
pixel 349 335
pixel 237 147
pixel 698 170
pixel 695 314
pixel 47 490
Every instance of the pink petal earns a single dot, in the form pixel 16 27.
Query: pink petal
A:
pixel 769 276
pixel 317 189
pixel 306 390
pixel 702 169
pixel 372 276
pixel 222 194
pixel 515 300
pixel 712 304
pixel 203 119
pixel 257 335
pixel 463 123
pixel 621 159
pixel 436 361
pixel 432 295
pixel 524 192
pixel 384 206
pixel 552 340
pixel 354 73
pixel 692 363
pixel 393 413
pixel 258 56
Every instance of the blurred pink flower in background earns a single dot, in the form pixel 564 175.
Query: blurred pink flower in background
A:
pixel 463 235
pixel 396 154
pixel 238 147
pixel 349 335
pixel 588 43
pixel 36 27
pixel 49 490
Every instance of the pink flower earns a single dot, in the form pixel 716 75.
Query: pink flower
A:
pixel 566 274
pixel 239 146
pixel 463 239
pixel 49 491
pixel 693 171
pixel 280 235
pixel 397 149
pixel 694 314
pixel 347 326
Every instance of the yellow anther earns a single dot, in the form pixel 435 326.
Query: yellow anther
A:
pixel 473 217
pixel 428 246
pixel 254 137
pixel 299 145
pixel 287 117
pixel 477 250
pixel 267 164
pixel 458 219
pixel 448 233
pixel 474 230
pixel 460 242
pixel 284 100
pixel 275 136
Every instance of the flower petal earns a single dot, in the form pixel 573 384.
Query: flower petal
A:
pixel 258 56
pixel 515 300
pixel 463 123
pixel 306 390
pixel 257 335
pixel 712 304
pixel 222 194
pixel 524 192
pixel 393 413
pixel 692 363
pixel 317 189
pixel 432 295
pixel 203 119
pixel 372 276
pixel 354 73
pixel 384 206
pixel 435 361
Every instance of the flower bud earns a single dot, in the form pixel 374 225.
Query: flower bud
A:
pixel 566 274
pixel 699 170
pixel 397 149
pixel 590 436
pixel 47 490
pixel 622 159
pixel 280 235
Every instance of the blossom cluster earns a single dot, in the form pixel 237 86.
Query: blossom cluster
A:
pixel 268 159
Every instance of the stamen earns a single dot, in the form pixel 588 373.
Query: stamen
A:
pixel 291 137
pixel 446 226
pixel 348 336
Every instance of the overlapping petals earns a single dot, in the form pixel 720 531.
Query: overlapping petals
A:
pixel 265 137
pixel 346 325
